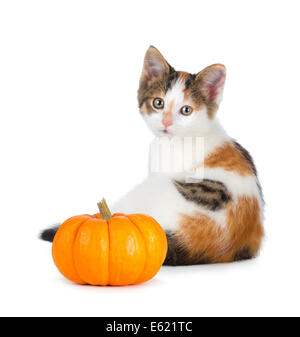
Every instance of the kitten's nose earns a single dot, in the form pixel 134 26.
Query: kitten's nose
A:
pixel 166 122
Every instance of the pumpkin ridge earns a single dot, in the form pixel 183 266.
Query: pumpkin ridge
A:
pixel 118 273
pixel 108 258
pixel 147 253
pixel 73 244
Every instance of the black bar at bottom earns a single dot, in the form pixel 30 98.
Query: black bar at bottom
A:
pixel 149 326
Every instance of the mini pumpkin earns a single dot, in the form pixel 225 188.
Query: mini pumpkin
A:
pixel 109 249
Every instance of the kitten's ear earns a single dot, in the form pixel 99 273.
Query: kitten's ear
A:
pixel 211 82
pixel 155 66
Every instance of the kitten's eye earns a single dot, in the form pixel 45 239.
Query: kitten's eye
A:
pixel 158 103
pixel 186 110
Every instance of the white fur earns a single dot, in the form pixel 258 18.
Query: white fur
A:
pixel 235 183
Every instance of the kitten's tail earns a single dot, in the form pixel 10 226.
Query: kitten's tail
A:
pixel 49 233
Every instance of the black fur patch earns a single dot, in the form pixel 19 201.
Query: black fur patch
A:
pixel 243 254
pixel 249 160
pixel 171 79
pixel 189 81
pixel 49 233
pixel 177 254
pixel 246 156
pixel 210 194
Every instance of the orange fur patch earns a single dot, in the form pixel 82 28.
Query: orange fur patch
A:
pixel 201 237
pixel 167 115
pixel 183 76
pixel 204 240
pixel 144 109
pixel 244 224
pixel 228 158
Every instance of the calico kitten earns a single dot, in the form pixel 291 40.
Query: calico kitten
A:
pixel 217 218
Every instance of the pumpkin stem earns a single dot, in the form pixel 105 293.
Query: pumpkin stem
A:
pixel 104 210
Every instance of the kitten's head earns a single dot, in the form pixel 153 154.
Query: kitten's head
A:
pixel 176 103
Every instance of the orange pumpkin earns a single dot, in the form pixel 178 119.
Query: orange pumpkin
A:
pixel 109 250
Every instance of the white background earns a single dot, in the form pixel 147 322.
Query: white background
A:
pixel 70 133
